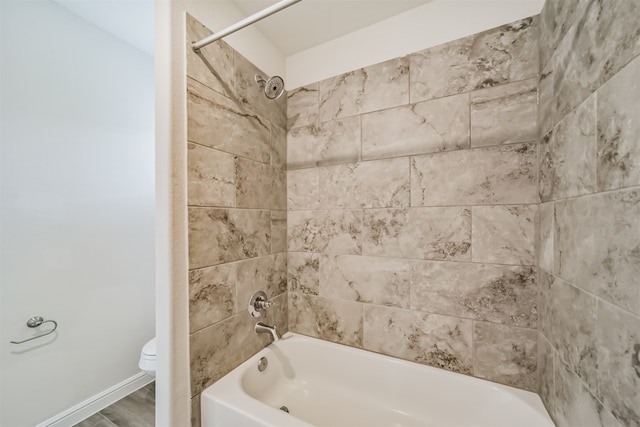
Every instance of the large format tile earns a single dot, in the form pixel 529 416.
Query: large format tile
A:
pixel 423 233
pixel 302 106
pixel 556 17
pixel 216 121
pixel 328 143
pixel 500 55
pixel 572 320
pixel 619 129
pixel 303 189
pixel 223 235
pixel 278 314
pixel 546 242
pixel 430 339
pixel 503 234
pixel 372 184
pixel 331 320
pixel 568 155
pixel 496 293
pixel 278 231
pixel 303 272
pixel 426 127
pixel 575 405
pixel 260 186
pixel 546 386
pixel 368 89
pixel 597 245
pixel 546 103
pixel 505 354
pixel 216 69
pixel 212 295
pixel 505 114
pixel 268 274
pixel 342 232
pixel 619 362
pixel 211 177
pixel 306 231
pixel 491 175
pixel 601 42
pixel 332 232
pixel 218 349
pixel 544 302
pixel 278 147
pixel 382 281
pixel 251 96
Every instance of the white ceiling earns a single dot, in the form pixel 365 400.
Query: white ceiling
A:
pixel 310 23
pixel 304 25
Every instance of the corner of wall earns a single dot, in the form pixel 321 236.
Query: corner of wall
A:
pixel 589 185
pixel 172 391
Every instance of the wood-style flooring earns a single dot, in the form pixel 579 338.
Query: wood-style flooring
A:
pixel 134 410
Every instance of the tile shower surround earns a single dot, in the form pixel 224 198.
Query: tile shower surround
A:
pixel 236 152
pixel 589 183
pixel 412 209
pixel 412 206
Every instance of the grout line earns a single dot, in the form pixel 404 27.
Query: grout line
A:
pixel 411 101
pixel 595 143
pixel 596 194
pixel 396 208
pixel 217 149
pixel 591 294
pixel 492 147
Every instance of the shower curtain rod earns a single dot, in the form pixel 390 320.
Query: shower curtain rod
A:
pixel 196 46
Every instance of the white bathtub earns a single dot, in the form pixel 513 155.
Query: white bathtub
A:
pixel 327 384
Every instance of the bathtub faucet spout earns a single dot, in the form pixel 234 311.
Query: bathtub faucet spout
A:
pixel 263 328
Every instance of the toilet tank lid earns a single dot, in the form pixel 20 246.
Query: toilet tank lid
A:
pixel 150 348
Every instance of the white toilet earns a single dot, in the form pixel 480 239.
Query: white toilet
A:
pixel 147 361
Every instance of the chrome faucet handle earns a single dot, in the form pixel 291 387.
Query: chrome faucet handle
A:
pixel 258 303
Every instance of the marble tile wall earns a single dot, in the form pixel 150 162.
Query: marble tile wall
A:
pixel 237 198
pixel 474 206
pixel 412 206
pixel 589 185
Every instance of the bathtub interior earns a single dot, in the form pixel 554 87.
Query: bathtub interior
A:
pixel 327 384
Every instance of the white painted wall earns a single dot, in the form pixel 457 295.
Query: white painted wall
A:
pixel 77 208
pixel 173 391
pixel 426 26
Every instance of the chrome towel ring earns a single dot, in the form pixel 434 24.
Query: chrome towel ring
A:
pixel 34 322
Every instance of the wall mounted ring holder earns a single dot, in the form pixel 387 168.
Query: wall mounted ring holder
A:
pixel 34 322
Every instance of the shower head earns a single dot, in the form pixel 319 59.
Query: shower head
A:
pixel 273 86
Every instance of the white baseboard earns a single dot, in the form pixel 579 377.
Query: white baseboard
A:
pixel 94 404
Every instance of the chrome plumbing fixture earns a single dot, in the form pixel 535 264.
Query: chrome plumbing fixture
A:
pixel 262 364
pixel 258 304
pixel 273 87
pixel 263 328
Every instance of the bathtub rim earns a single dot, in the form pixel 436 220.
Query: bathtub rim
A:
pixel 235 397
